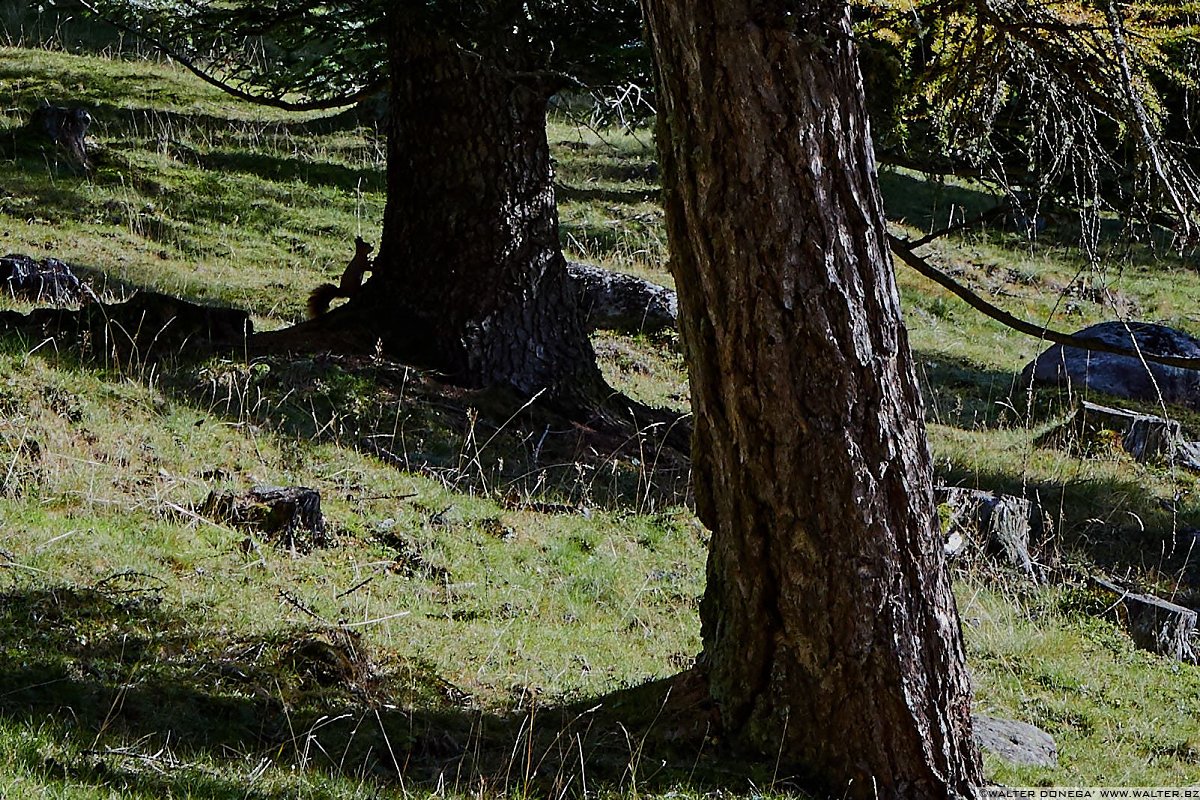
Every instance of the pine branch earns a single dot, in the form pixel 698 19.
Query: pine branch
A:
pixel 325 104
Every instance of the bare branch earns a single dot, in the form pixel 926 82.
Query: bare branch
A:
pixel 903 248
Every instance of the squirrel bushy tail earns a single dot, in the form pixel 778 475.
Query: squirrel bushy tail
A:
pixel 352 278
pixel 321 297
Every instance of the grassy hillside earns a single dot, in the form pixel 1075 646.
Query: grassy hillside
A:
pixel 494 589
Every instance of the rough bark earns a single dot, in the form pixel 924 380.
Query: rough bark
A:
pixel 470 278
pixel 830 632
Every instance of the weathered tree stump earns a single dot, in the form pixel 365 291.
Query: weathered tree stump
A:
pixel 1015 742
pixel 615 301
pixel 998 525
pixel 1154 624
pixel 288 515
pixel 1144 436
pixel 65 128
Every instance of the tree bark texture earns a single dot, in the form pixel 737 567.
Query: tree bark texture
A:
pixel 830 632
pixel 470 277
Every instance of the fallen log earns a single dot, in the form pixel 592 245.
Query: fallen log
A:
pixel 616 301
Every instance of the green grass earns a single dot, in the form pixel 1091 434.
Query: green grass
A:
pixel 1120 716
pixel 486 579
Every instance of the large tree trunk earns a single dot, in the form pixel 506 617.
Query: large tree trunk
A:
pixel 470 278
pixel 830 632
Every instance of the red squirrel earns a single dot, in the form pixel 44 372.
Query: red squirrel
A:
pixel 352 278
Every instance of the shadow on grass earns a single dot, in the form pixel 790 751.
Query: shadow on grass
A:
pixel 963 395
pixel 303 170
pixel 960 394
pixel 609 167
pixel 1110 524
pixel 487 441
pixel 140 699
pixel 932 205
pixel 482 441
pixel 929 205
pixel 588 194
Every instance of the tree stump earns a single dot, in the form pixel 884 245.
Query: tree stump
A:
pixel 1154 624
pixel 999 525
pixel 1144 436
pixel 65 128
pixel 289 515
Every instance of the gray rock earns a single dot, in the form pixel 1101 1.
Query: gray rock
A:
pixel 1124 376
pixel 1015 742
pixel 615 301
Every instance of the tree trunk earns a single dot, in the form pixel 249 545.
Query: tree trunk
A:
pixel 830 632
pixel 470 278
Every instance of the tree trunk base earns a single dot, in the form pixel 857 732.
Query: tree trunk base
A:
pixel 357 328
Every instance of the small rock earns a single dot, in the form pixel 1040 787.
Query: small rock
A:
pixel 1015 742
